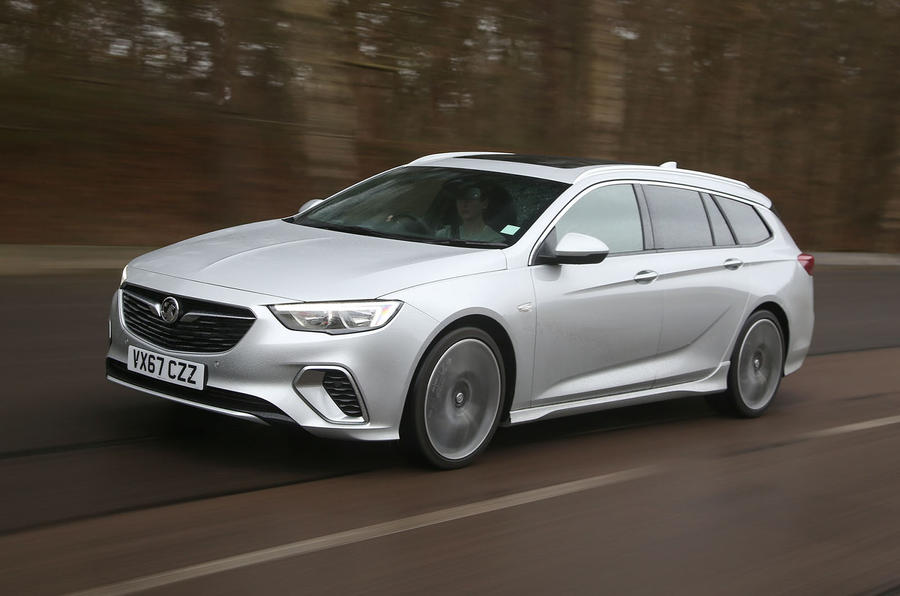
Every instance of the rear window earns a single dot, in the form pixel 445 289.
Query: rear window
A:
pixel 746 223
pixel 678 218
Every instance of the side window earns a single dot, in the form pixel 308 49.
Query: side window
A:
pixel 678 218
pixel 609 213
pixel 721 234
pixel 748 226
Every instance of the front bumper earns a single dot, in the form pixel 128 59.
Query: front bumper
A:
pixel 254 379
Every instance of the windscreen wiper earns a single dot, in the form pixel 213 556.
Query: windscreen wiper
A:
pixel 362 230
pixel 468 243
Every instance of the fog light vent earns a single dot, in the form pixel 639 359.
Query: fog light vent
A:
pixel 341 391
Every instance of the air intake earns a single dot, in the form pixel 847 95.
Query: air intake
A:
pixel 341 390
pixel 333 393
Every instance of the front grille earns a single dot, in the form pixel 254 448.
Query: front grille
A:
pixel 204 327
pixel 341 390
pixel 209 396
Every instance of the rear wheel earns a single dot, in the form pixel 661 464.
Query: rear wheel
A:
pixel 757 364
pixel 457 396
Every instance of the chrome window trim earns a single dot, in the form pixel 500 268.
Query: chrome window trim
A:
pixel 533 253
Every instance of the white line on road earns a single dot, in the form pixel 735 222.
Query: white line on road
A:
pixel 414 522
pixel 851 428
pixel 355 535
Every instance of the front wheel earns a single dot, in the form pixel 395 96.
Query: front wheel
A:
pixel 757 364
pixel 456 399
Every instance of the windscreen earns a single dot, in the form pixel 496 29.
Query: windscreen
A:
pixel 438 205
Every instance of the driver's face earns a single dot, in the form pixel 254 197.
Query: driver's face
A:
pixel 470 206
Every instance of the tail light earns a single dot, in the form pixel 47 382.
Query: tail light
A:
pixel 807 261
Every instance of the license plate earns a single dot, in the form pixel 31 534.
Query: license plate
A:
pixel 166 368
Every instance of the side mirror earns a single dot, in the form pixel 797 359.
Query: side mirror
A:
pixel 309 205
pixel 573 249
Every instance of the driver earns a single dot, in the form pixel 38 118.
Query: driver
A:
pixel 470 207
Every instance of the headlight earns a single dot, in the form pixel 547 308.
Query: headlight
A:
pixel 336 317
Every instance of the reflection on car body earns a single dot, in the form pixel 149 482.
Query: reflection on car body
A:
pixel 437 300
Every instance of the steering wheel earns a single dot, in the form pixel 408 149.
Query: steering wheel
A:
pixel 413 223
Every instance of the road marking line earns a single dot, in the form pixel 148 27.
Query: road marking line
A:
pixel 850 428
pixel 362 534
pixel 414 522
pixel 821 434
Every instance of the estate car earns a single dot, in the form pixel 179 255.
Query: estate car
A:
pixel 437 300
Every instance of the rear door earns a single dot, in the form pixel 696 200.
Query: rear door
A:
pixel 704 296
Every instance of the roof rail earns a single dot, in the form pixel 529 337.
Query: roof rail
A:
pixel 607 169
pixel 438 156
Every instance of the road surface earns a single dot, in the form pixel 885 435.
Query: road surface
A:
pixel 102 487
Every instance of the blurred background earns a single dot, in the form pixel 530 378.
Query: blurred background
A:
pixel 127 124
pixel 142 122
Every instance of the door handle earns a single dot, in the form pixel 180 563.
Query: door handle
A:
pixel 645 276
pixel 733 264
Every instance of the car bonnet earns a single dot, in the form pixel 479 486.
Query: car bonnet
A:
pixel 306 264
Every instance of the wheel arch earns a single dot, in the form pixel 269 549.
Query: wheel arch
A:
pixel 498 333
pixel 780 314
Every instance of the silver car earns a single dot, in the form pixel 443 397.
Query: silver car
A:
pixel 437 300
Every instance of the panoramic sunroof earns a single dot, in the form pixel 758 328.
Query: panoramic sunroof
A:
pixel 546 160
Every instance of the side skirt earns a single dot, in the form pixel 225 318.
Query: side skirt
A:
pixel 715 382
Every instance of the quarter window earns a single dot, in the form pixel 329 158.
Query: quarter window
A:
pixel 678 217
pixel 748 226
pixel 721 234
pixel 608 213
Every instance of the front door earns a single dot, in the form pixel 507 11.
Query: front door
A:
pixel 598 325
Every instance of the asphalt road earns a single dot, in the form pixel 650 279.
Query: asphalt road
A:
pixel 99 484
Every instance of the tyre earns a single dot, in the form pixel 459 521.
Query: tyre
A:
pixel 757 365
pixel 456 399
